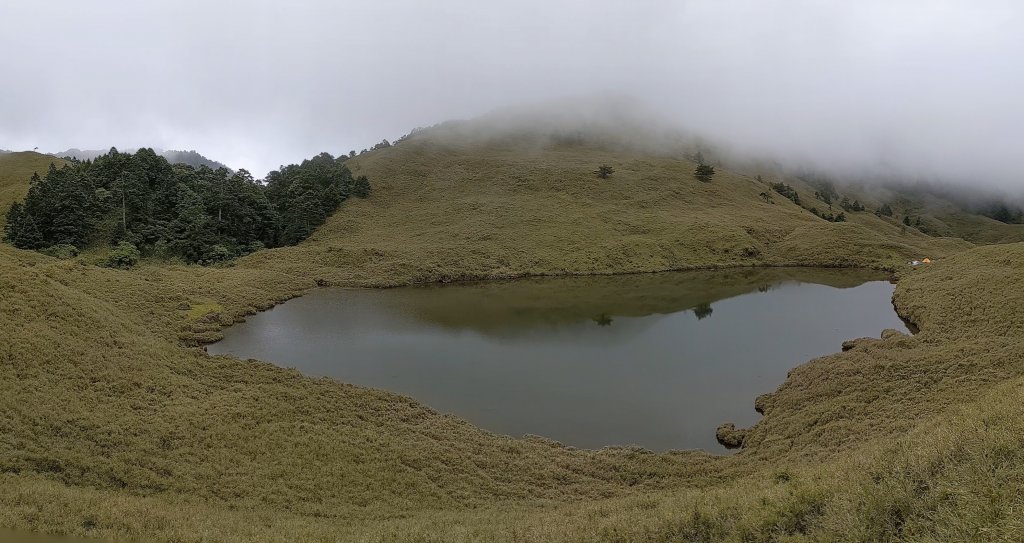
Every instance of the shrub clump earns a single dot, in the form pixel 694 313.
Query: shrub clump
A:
pixel 123 256
pixel 63 251
pixel 604 171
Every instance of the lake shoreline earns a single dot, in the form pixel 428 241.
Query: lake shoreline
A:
pixel 215 321
pixel 533 330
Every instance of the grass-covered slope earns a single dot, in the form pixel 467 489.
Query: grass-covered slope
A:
pixel 97 394
pixel 455 209
pixel 939 215
pixel 111 426
pixel 15 171
pixel 976 228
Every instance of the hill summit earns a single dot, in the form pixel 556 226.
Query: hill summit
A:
pixel 191 158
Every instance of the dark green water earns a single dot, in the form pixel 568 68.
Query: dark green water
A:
pixel 652 360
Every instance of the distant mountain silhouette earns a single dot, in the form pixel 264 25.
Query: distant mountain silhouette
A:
pixel 192 158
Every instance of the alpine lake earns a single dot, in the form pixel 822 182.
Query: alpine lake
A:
pixel 653 360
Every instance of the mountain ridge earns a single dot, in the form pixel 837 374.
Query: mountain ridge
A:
pixel 191 158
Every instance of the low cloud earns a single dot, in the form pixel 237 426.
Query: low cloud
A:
pixel 914 89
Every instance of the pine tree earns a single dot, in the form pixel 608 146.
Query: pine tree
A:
pixel 15 218
pixel 28 235
pixel 192 229
pixel 704 173
pixel 361 187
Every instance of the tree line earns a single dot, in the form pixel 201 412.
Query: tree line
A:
pixel 200 215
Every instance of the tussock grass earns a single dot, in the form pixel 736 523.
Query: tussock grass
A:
pixel 115 425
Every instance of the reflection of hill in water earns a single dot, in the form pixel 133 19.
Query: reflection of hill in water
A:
pixel 510 307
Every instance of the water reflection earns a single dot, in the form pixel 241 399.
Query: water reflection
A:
pixel 510 307
pixel 656 360
pixel 703 310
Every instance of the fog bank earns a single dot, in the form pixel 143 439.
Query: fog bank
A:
pixel 919 89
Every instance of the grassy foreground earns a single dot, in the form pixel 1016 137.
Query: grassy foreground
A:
pixel 112 426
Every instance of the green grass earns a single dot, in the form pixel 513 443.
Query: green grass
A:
pixel 15 171
pixel 459 211
pixel 114 425
pixel 199 310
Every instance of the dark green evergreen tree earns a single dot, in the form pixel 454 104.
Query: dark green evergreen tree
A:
pixel 201 215
pixel 704 173
pixel 15 217
pixel 28 235
pixel 192 230
pixel 304 195
pixel 361 187
pixel 787 191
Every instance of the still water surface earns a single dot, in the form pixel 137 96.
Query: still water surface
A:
pixel 653 360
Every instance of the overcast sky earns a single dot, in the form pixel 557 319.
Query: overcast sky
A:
pixel 926 88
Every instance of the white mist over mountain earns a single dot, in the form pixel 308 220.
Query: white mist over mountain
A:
pixel 917 89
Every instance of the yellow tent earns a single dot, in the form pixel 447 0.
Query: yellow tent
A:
pixel 927 260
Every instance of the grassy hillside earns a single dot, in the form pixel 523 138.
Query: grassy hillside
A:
pixel 974 228
pixel 939 216
pixel 456 209
pixel 112 426
pixel 15 171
